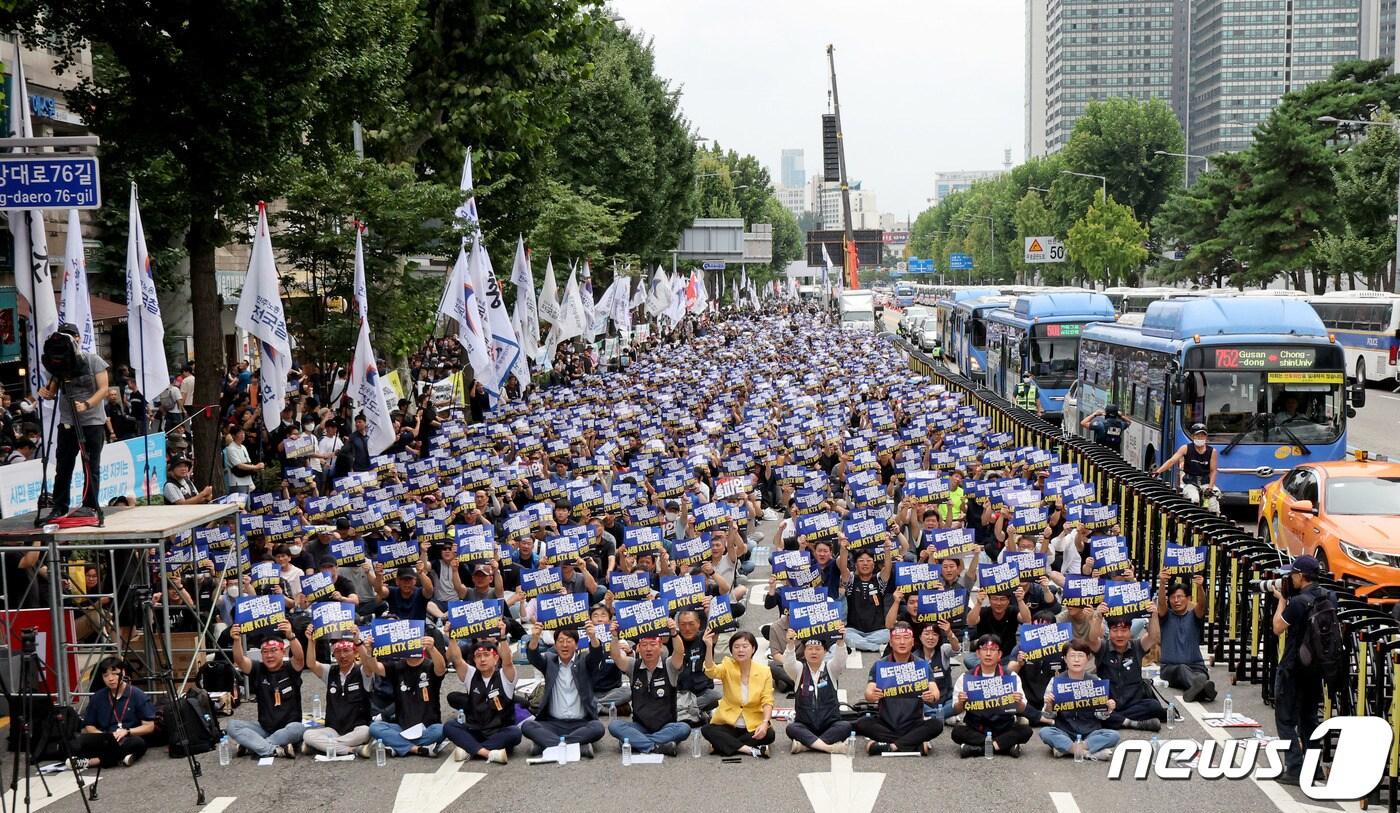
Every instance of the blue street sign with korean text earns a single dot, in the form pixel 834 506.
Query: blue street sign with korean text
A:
pixel 49 182
pixel 959 262
pixel 918 266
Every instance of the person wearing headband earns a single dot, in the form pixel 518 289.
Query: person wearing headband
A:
pixel 348 688
pixel 277 686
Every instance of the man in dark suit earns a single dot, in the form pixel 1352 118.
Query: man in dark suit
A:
pixel 569 711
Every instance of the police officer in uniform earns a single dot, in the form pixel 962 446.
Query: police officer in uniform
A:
pixel 653 726
pixel 485 727
pixel 1107 426
pixel 1027 394
pixel 1198 466
pixel 347 702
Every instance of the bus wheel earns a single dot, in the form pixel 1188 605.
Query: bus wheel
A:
pixel 1361 372
pixel 1149 459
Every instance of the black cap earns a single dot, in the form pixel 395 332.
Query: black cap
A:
pixel 406 572
pixel 69 329
pixel 325 561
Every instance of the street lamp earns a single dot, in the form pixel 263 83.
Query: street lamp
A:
pixel 1186 173
pixel 1394 125
pixel 1103 182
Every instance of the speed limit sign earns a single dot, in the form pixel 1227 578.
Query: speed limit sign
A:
pixel 1044 250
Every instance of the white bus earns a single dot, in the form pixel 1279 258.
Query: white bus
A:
pixel 1367 326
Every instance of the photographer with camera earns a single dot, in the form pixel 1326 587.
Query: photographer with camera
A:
pixel 81 380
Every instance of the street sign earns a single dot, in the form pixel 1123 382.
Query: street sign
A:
pixel 712 265
pixel 49 182
pixel 959 262
pixel 1044 250
pixel 918 266
pixel 901 266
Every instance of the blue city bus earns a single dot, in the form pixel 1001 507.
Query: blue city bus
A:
pixel 1262 374
pixel 1040 334
pixel 904 294
pixel 968 354
pixel 943 313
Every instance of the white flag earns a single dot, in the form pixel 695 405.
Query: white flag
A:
pixel 145 331
pixel 504 346
pixel 549 295
pixel 260 313
pixel 573 319
pixel 660 298
pixel 696 297
pixel 33 281
pixel 826 269
pixel 76 307
pixel 526 316
pixel 622 303
pixel 361 291
pixel 368 395
pixel 675 311
pixel 639 298
pixel 460 303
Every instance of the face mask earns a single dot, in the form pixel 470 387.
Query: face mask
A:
pixel 1200 444
pixel 309 426
pixel 295 549
pixel 232 592
pixel 672 517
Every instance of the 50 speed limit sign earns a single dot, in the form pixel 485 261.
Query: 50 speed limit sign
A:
pixel 1044 250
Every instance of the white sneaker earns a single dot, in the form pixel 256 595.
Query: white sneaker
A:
pixel 838 747
pixel 460 754
pixel 798 747
pixel 498 756
pixel 1103 755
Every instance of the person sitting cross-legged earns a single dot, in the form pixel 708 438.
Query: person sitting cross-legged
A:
pixel 417 684
pixel 488 730
pixel 743 722
pixel 347 702
pixel 899 723
pixel 277 687
pixel 817 723
pixel 653 726
pixel 1008 734
pixel 1077 729
pixel 569 711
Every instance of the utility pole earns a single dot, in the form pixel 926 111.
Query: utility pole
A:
pixel 850 263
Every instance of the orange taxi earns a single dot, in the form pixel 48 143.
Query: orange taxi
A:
pixel 1347 514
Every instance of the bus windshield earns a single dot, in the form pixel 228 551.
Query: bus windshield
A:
pixel 977 334
pixel 1054 362
pixel 1231 403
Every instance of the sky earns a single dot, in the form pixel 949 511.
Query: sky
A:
pixel 925 85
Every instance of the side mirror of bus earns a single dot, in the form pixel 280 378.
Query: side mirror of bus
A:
pixel 1175 391
pixel 1358 393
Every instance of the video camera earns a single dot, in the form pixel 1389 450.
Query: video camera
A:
pixel 29 640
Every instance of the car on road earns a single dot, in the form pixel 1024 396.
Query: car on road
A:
pixel 1344 512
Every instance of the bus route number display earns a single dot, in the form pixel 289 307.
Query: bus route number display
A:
pixel 1260 358
pixel 1057 331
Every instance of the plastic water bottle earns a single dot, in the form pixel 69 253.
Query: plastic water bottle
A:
pixel 316 710
pixel 1078 749
pixel 695 743
pixel 626 752
pixel 851 745
pixel 988 751
pixel 1156 741
pixel 381 754
pixel 1228 707
pixel 225 752
pixel 563 746
pixel 1171 715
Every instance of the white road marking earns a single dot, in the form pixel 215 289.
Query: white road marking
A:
pixel 853 660
pixel 433 792
pixel 842 790
pixel 1064 802
pixel 219 805
pixel 1278 794
pixel 60 784
pixel 1386 396
pixel 756 599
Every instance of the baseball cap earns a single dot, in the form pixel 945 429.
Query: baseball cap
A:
pixel 481 569
pixel 326 561
pixel 406 572
pixel 1307 565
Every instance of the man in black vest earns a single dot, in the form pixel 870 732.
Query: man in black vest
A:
pixel 347 702
pixel 277 687
pixel 1120 663
pixel 417 682
pixel 693 679
pixel 1107 425
pixel 569 711
pixel 487 729
pixel 1008 735
pixel 817 724
pixel 653 726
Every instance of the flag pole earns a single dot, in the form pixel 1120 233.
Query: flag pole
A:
pixel 141 343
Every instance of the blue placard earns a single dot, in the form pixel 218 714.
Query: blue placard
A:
pixel 1178 559
pixel 952 542
pixel 999 578
pixel 941 605
pixel 636 619
pixel 1082 591
pixel 253 613
pixel 470 619
pixel 918 576
pixel 690 552
pixel 639 539
pixel 1110 555
pixel 475 544
pixel 1030 520
pixel 394 639
pixel 990 694
pixel 815 619
pixel 335 619
pixel 818 525
pixel 907 678
pixel 629 586
pixel 683 592
pixel 721 615
pixel 1032 565
pixel 317 587
pixel 543 580
pixel 397 553
pixel 1040 641
pixel 1072 695
pixel 1127 599
pixel 562 610
pixel 348 552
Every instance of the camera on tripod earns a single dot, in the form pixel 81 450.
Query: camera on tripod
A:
pixel 29 640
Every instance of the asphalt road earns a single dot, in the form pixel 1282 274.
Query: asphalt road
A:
pixel 803 782
pixel 1374 427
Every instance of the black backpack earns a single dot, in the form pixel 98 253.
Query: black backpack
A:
pixel 201 728
pixel 1322 649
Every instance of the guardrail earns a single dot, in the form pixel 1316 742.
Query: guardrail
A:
pixel 1239 631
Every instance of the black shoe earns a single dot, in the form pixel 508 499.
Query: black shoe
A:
pixel 764 630
pixel 586 750
pixel 1208 694
pixel 667 749
pixel 1143 725
pixel 55 513
pixel 1287 779
pixel 874 749
pixel 965 751
pixel 1013 753
pixel 1198 685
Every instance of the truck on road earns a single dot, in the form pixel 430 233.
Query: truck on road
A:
pixel 858 310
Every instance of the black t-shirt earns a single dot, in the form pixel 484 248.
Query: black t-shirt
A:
pixel 1122 670
pixel 413 607
pixel 867 602
pixel 1004 628
pixel 417 690
pixel 1296 614
pixel 901 712
pixel 278 694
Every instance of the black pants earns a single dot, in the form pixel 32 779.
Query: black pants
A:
pixel 1005 738
pixel 875 730
pixel 106 748
pixel 830 735
pixel 1297 711
pixel 66 452
pixel 1180 675
pixel 727 739
pixel 1144 708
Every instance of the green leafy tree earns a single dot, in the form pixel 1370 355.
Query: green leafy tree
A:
pixel 1108 242
pixel 1191 221
pixel 1365 179
pixel 1118 138
pixel 1034 218
pixel 577 224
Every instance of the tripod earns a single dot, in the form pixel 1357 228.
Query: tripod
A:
pixel 32 673
pixel 91 468
pixel 162 671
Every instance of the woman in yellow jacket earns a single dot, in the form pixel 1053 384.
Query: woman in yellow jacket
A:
pixel 743 723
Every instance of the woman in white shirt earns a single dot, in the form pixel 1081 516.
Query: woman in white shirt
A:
pixel 238 467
